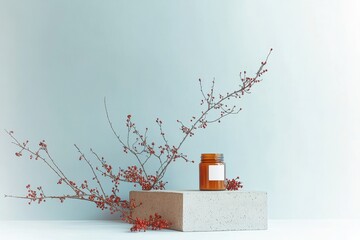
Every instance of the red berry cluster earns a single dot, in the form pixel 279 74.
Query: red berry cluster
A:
pixel 153 222
pixel 233 184
pixel 34 196
pixel 135 175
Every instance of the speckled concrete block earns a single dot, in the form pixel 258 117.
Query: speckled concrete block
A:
pixel 205 210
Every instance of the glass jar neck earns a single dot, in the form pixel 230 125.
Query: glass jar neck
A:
pixel 212 157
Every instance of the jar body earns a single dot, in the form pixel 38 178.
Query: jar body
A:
pixel 212 172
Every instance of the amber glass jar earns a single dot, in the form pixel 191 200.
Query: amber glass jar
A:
pixel 212 172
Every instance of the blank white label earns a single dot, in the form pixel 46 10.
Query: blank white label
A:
pixel 216 173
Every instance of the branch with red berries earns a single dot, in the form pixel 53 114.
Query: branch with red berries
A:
pixel 83 191
pixel 216 107
pixel 138 145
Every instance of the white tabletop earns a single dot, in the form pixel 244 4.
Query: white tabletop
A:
pixel 278 229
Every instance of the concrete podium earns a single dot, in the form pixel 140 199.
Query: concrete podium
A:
pixel 205 210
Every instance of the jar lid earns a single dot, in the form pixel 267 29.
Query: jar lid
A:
pixel 212 156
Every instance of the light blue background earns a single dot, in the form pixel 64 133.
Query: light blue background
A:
pixel 298 137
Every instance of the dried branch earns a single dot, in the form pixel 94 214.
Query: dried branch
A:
pixel 137 143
